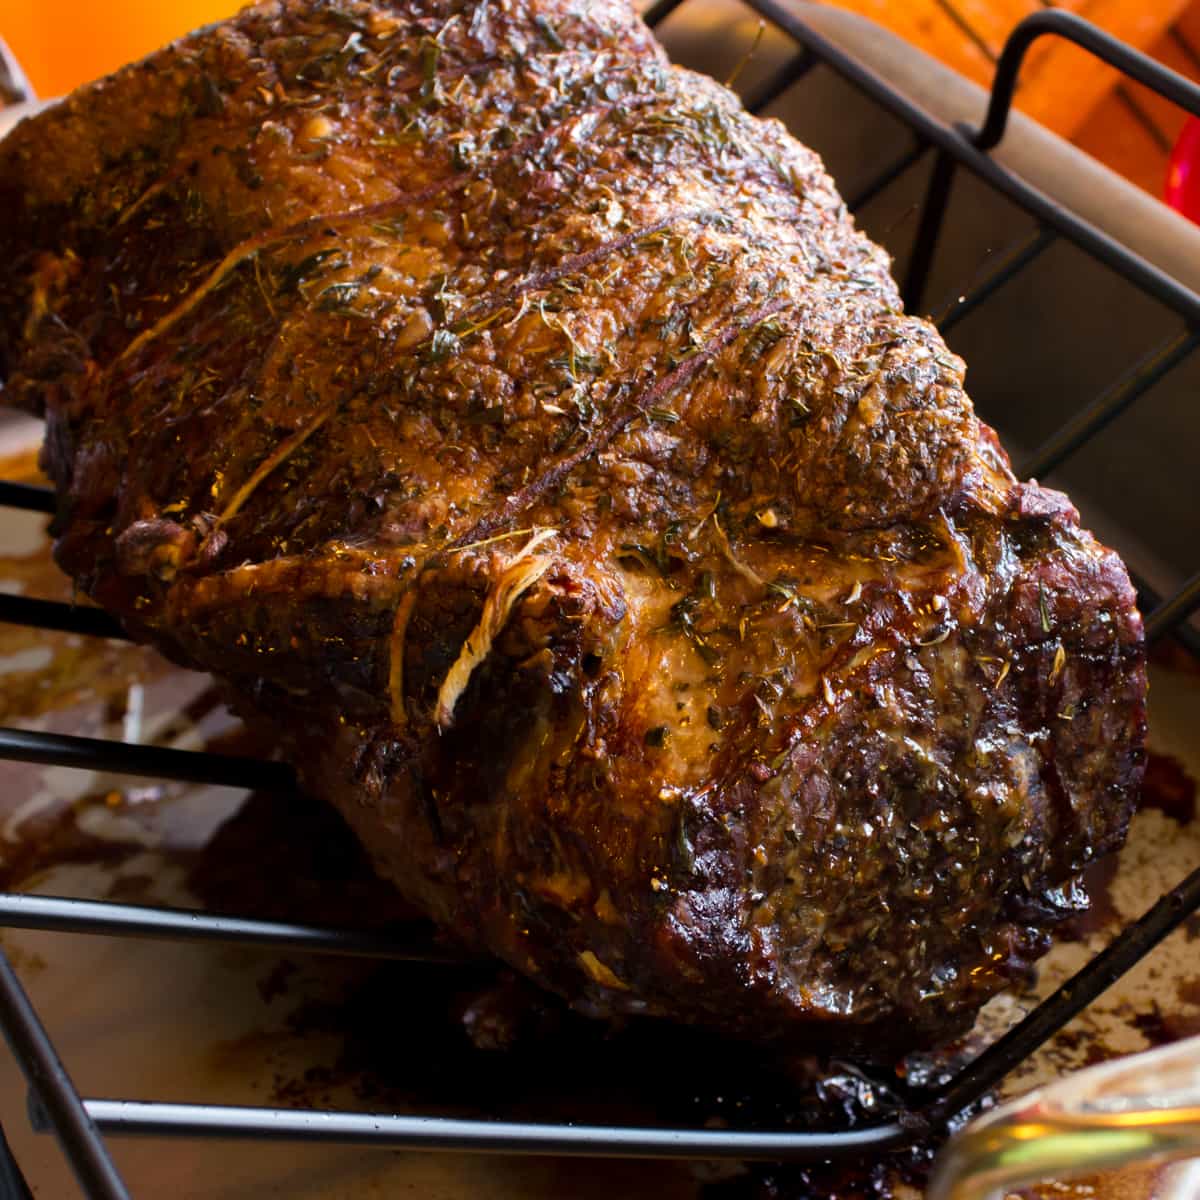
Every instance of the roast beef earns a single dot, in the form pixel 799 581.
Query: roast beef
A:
pixel 530 441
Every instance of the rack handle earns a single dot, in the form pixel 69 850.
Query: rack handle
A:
pixel 1170 84
pixel 14 87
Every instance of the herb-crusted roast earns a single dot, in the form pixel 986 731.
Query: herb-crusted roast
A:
pixel 528 438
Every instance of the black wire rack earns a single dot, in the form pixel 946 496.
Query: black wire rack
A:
pixel 81 1123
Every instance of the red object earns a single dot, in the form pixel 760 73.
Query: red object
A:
pixel 1183 172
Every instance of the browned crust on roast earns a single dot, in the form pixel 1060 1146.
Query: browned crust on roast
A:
pixel 811 712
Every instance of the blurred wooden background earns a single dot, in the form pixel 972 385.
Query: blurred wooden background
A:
pixel 1119 122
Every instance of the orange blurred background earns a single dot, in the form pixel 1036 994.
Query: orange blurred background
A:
pixel 63 43
pixel 69 42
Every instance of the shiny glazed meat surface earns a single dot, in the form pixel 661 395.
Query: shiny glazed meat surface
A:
pixel 529 440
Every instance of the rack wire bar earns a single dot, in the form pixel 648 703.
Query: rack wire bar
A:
pixel 160 762
pixel 1173 612
pixel 29 497
pixel 1134 63
pixel 34 1051
pixel 881 179
pixel 63 914
pixel 959 141
pixel 66 618
pixel 660 11
pixel 78 1123
pixel 1154 627
pixel 965 1089
pixel 933 213
pixel 777 83
pixel 1110 404
pixel 12 1182
pixel 482 1136
pixel 1008 264
pixel 1131 945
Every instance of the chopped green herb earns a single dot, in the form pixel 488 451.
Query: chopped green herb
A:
pixel 785 588
pixel 549 32
pixel 337 296
pixel 292 276
pixel 443 344
pixel 639 553
pixel 486 416
pixel 466 327
pixel 431 52
pixel 1042 608
pixel 479 19
pixel 762 337
pixel 683 618
pixel 211 103
pixel 684 853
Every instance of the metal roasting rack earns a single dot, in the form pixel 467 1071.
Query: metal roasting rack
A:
pixel 80 1124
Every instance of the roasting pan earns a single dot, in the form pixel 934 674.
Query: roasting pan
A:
pixel 1073 298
